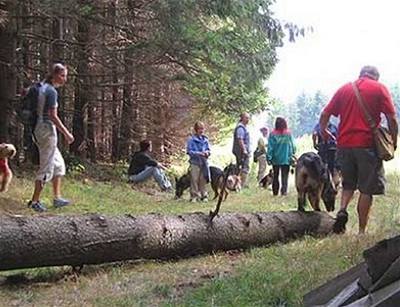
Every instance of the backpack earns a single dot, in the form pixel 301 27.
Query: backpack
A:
pixel 27 113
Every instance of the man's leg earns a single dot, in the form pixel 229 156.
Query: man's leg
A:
pixel 347 195
pixel 56 186
pixel 143 175
pixel 195 174
pixel 245 171
pixel 161 179
pixel 202 187
pixel 37 191
pixel 363 209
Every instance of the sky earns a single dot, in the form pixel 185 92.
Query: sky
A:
pixel 348 34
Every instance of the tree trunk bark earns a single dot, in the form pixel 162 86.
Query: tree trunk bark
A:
pixel 7 72
pixel 28 242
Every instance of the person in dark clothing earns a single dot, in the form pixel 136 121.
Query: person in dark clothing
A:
pixel 143 166
pixel 326 149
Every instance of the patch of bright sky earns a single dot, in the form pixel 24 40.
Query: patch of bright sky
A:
pixel 347 35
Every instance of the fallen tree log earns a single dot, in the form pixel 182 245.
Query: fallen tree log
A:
pixel 38 241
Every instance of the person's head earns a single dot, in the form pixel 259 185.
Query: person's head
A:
pixel 280 123
pixel 370 72
pixel 145 145
pixel 57 75
pixel 244 118
pixel 199 128
pixel 264 131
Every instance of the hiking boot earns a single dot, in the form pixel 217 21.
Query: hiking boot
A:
pixel 37 206
pixel 168 190
pixel 61 202
pixel 340 224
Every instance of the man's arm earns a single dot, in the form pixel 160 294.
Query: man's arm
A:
pixel 323 124
pixel 393 127
pixel 314 139
pixel 60 126
pixel 240 135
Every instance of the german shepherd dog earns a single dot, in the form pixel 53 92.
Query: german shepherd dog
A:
pixel 315 180
pixel 233 182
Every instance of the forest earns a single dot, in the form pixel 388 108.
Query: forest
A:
pixel 149 69
pixel 139 68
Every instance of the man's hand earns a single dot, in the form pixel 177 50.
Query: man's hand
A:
pixel 327 135
pixel 69 138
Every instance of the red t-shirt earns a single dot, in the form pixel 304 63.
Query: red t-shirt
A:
pixel 354 130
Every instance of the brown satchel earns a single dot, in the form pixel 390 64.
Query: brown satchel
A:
pixel 382 137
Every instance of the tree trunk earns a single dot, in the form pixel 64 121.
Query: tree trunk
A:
pixel 7 72
pixel 33 241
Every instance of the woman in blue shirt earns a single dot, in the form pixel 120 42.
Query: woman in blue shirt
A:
pixel 198 150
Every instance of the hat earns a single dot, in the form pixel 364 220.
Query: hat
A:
pixel 264 128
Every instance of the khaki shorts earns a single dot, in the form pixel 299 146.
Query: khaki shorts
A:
pixel 51 161
pixel 361 169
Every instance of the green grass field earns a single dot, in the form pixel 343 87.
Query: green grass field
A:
pixel 278 275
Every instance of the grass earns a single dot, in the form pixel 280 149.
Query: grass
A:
pixel 278 275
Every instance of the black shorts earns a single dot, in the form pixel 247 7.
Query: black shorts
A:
pixel 362 169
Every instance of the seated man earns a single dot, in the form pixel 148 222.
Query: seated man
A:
pixel 143 166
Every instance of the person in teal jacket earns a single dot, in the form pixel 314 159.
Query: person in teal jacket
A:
pixel 280 151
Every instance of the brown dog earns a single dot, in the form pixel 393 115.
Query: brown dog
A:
pixel 314 180
pixel 7 151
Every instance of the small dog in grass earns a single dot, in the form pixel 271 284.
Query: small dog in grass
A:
pixel 267 180
pixel 181 184
pixel 7 151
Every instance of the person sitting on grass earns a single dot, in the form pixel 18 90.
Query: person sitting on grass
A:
pixel 143 166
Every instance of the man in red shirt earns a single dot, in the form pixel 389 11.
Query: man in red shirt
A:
pixel 360 166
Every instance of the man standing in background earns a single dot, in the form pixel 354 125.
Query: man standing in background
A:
pixel 241 147
pixel 260 155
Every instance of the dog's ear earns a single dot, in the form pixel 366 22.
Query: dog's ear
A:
pixel 12 153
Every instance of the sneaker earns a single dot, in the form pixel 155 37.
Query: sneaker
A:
pixel 340 223
pixel 37 206
pixel 193 200
pixel 204 199
pixel 168 190
pixel 61 202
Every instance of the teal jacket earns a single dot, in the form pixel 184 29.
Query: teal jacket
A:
pixel 281 147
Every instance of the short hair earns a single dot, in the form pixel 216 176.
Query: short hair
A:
pixel 144 145
pixel 198 125
pixel 280 123
pixel 242 115
pixel 54 70
pixel 369 71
